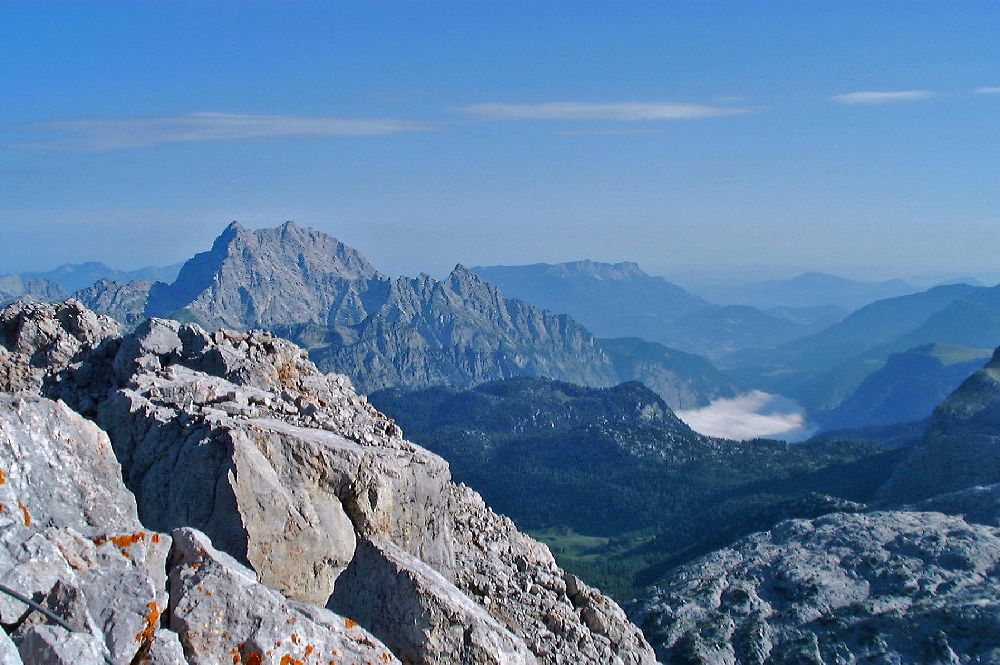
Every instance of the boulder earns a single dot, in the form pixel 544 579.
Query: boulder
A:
pixel 219 609
pixel 420 615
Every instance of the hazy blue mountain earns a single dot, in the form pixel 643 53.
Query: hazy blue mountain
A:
pixel 618 486
pixel 818 317
pixel 123 301
pixel 18 287
pixel 77 276
pixel 823 369
pixel 620 300
pixel 814 289
pixel 611 299
pixel 907 388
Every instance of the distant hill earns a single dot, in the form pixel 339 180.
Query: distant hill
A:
pixel 620 300
pixel 907 388
pixel 823 369
pixel 77 276
pixel 812 289
pixel 17 287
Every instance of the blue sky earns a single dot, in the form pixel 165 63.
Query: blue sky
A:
pixel 860 138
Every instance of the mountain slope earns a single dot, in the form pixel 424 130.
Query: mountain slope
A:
pixel 962 445
pixel 620 300
pixel 615 468
pixel 683 380
pixel 814 289
pixel 908 388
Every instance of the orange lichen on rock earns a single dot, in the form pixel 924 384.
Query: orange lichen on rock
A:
pixel 295 638
pixel 350 623
pixel 155 538
pixel 151 620
pixel 255 658
pixel 25 513
pixel 309 650
pixel 3 477
pixel 288 659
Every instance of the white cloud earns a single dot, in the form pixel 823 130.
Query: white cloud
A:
pixel 607 132
pixel 884 97
pixel 987 90
pixel 753 415
pixel 118 133
pixel 624 111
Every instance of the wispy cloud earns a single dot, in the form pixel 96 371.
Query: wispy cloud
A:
pixel 623 111
pixel 607 132
pixel 987 90
pixel 119 133
pixel 882 97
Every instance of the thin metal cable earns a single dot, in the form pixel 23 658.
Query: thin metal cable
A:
pixel 44 610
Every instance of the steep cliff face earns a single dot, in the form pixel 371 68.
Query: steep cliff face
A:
pixel 235 443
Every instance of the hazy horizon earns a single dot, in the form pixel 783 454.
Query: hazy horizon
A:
pixel 848 138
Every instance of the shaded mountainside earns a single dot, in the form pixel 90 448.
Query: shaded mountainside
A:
pixel 962 445
pixel 616 465
pixel 683 380
pixel 620 300
pixel 908 388
pixel 236 491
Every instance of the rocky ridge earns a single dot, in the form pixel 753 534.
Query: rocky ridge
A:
pixel 235 443
pixel 892 587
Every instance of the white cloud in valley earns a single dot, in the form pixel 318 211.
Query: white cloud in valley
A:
pixel 620 111
pixel 873 97
pixel 119 133
pixel 756 414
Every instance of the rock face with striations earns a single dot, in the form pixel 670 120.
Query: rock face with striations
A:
pixel 892 587
pixel 285 469
pixel 313 289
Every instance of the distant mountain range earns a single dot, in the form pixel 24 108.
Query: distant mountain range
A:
pixel 620 300
pixel 310 288
pixel 809 289
pixel 76 276
pixel 823 369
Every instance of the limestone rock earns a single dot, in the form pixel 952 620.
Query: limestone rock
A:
pixel 976 505
pixel 62 468
pixel 898 587
pixel 8 652
pixel 221 611
pixel 53 645
pixel 421 616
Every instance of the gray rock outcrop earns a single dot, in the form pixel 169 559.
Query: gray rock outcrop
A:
pixel 283 468
pixel 421 615
pixel 893 587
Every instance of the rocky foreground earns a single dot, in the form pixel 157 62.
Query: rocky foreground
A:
pixel 179 496
pixel 882 587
